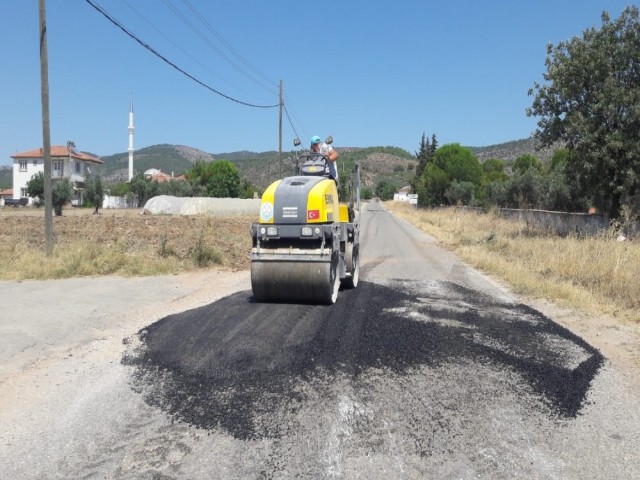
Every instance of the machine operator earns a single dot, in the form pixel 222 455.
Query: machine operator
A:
pixel 328 151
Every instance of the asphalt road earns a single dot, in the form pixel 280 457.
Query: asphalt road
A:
pixel 426 370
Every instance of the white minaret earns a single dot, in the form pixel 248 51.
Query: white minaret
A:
pixel 131 140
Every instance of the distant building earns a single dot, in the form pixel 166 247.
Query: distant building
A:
pixel 156 175
pixel 402 195
pixel 66 162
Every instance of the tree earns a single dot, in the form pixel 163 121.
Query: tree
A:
pixel 493 171
pixel 525 190
pixel 590 103
pixel 432 187
pixel 142 188
pixel 35 187
pixel 61 194
pixel 220 178
pixel 94 192
pixel 422 156
pixel 385 190
pixel 434 145
pixel 458 163
pixel 460 193
pixel 525 162
pixel 247 190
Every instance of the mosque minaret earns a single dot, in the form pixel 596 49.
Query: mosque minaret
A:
pixel 131 141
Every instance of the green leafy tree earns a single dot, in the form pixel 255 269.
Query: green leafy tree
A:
pixel 460 193
pixel 385 190
pixel 458 163
pixel 525 190
pixel 556 192
pixel 493 171
pixel 525 162
pixel 120 189
pixel 224 181
pixel 432 187
pixel 559 159
pixel 61 194
pixel 247 190
pixel 220 178
pixel 94 192
pixel 496 193
pixel 367 193
pixel 174 188
pixel 142 188
pixel 35 187
pixel 589 101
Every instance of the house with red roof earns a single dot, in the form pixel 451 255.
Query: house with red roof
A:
pixel 66 162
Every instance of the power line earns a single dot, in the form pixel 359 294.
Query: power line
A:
pixel 228 45
pixel 295 116
pixel 284 105
pixel 172 42
pixel 156 53
pixel 211 45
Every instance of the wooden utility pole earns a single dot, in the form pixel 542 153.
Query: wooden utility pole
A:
pixel 46 134
pixel 280 129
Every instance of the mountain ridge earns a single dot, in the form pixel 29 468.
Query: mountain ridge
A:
pixel 378 163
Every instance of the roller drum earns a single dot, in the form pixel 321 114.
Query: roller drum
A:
pixel 290 281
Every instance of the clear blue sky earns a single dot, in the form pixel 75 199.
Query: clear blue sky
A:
pixel 367 72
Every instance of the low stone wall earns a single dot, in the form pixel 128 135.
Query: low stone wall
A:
pixel 560 223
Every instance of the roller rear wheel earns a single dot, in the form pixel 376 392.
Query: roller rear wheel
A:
pixel 352 263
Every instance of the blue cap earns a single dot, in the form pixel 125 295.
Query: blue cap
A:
pixel 315 139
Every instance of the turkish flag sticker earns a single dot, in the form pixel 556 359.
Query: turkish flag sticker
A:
pixel 313 214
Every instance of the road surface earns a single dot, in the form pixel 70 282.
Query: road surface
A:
pixel 426 370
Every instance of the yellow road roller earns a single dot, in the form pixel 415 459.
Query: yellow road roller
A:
pixel 306 244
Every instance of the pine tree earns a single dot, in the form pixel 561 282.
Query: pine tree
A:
pixel 433 147
pixel 423 156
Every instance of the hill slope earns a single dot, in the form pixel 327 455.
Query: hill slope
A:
pixel 512 150
pixel 377 164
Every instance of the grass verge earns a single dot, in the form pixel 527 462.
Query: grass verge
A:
pixel 596 274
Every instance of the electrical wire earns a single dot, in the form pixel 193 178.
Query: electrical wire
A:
pixel 211 45
pixel 156 53
pixel 228 45
pixel 295 116
pixel 290 122
pixel 148 22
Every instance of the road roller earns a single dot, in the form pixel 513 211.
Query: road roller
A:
pixel 305 246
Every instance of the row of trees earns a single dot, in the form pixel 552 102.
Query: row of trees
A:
pixel 219 178
pixel 589 104
pixel 214 179
pixel 452 175
pixel 62 192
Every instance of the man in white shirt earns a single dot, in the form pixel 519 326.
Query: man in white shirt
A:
pixel 328 151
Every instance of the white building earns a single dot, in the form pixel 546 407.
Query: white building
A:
pixel 66 162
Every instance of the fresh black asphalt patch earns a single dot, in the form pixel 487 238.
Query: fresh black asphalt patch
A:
pixel 241 366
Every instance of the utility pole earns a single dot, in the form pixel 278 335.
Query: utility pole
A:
pixel 280 129
pixel 46 133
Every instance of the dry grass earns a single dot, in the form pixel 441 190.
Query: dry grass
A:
pixel 596 274
pixel 119 243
